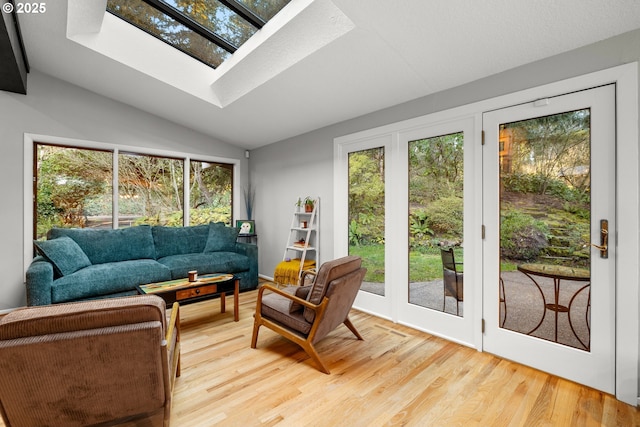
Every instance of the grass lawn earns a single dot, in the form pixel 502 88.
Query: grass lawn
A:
pixel 424 266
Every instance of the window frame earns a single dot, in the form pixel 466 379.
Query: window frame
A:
pixel 30 162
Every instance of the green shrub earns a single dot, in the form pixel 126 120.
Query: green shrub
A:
pixel 444 217
pixel 522 237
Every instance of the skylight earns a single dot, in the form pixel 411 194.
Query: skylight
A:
pixel 208 30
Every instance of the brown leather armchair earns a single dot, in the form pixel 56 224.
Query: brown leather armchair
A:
pixel 306 314
pixel 105 362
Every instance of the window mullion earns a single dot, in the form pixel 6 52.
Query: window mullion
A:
pixel 245 13
pixel 186 186
pixel 192 25
pixel 115 190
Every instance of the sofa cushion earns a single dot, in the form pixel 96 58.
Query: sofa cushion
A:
pixel 205 263
pixel 64 253
pixel 107 245
pixel 107 278
pixel 221 238
pixel 179 240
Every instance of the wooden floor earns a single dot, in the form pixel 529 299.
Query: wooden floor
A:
pixel 397 376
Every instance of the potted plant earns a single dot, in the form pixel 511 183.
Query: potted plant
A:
pixel 299 204
pixel 308 204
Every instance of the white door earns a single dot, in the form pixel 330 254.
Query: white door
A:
pixel 549 194
pixel 439 206
pixel 407 195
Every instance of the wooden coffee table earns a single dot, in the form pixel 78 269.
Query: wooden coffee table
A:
pixel 186 292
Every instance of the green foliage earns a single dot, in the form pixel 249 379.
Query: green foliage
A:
pixel 373 257
pixel 355 235
pixel 435 168
pixel 197 217
pixel 538 184
pixel 550 148
pixel 445 217
pixel 577 210
pixel 366 196
pixel 418 226
pixel 522 237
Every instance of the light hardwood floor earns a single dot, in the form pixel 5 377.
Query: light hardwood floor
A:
pixel 397 376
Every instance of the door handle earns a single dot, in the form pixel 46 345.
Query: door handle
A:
pixel 603 247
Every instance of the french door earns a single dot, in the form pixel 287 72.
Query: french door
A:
pixel 438 175
pixel 409 195
pixel 550 242
pixel 365 184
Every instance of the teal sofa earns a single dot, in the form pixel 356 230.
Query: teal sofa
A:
pixel 76 264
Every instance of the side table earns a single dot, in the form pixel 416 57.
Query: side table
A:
pixel 558 273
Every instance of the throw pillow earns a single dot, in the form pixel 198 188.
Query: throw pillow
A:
pixel 64 253
pixel 221 238
pixel 300 292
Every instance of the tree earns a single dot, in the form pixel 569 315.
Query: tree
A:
pixel 367 194
pixel 436 168
pixel 65 184
pixel 553 147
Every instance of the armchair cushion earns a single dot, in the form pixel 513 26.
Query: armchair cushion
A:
pixel 65 255
pixel 327 273
pixel 277 307
pixel 59 318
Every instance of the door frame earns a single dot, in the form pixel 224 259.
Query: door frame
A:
pixel 627 201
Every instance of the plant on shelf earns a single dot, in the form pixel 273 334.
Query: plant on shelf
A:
pixel 299 204
pixel 308 204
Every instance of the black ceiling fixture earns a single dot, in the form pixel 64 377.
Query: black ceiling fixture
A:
pixel 14 65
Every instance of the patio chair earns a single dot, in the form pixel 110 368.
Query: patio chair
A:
pixel 453 280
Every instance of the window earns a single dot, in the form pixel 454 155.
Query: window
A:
pixel 208 30
pixel 73 187
pixel 150 190
pixel 210 192
pixel 67 192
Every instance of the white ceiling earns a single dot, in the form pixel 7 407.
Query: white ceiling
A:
pixel 316 63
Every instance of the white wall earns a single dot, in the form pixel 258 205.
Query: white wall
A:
pixel 56 108
pixel 304 164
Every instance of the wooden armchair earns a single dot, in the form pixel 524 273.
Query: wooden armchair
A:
pixel 306 314
pixel 109 362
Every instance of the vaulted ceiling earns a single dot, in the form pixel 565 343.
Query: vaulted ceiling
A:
pixel 316 63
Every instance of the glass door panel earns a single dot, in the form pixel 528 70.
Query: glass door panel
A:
pixel 366 215
pixel 436 213
pixel 545 217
